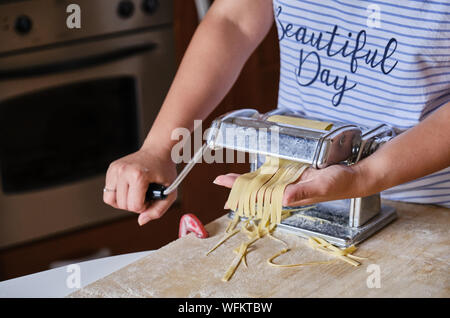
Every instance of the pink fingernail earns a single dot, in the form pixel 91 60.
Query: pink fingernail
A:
pixel 143 219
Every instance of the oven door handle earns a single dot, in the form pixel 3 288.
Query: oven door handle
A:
pixel 77 63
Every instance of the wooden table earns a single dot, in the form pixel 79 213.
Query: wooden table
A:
pixel 412 255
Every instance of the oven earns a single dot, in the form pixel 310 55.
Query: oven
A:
pixel 71 101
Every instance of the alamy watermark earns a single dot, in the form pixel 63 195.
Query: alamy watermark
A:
pixel 265 140
pixel 73 280
pixel 374 16
pixel 73 20
pixel 374 278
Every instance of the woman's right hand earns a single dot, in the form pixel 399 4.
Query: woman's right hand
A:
pixel 127 181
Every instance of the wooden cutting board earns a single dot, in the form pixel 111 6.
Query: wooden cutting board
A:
pixel 412 255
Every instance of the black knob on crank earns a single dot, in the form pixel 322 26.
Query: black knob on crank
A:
pixel 155 192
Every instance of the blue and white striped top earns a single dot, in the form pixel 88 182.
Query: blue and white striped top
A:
pixel 368 62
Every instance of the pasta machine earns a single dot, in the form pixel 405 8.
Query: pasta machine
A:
pixel 340 222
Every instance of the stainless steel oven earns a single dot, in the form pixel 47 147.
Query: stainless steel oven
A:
pixel 71 101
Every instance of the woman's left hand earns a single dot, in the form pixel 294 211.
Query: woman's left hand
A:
pixel 316 185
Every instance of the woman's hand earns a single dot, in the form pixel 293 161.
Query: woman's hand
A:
pixel 128 179
pixel 332 183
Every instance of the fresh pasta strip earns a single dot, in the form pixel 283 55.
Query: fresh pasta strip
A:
pixel 324 246
pixel 285 250
pixel 246 206
pixel 257 186
pixel 268 191
pixel 301 122
pixel 226 237
pixel 266 173
pixel 285 213
pixel 277 239
pixel 343 254
pixel 232 225
pixel 241 185
pixel 234 265
pixel 279 191
pixel 265 192
pixel 238 187
pixel 244 256
pixel 241 255
pixel 248 229
pixel 260 195
pixel 257 231
pixel 271 209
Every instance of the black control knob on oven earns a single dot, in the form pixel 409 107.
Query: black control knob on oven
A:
pixel 125 9
pixel 23 24
pixel 150 6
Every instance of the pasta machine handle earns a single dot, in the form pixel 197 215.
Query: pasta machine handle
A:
pixel 155 191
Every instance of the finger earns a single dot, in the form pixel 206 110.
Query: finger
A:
pixel 155 210
pixel 122 194
pixel 306 192
pixel 308 174
pixel 136 193
pixel 226 180
pixel 109 197
pixel 136 198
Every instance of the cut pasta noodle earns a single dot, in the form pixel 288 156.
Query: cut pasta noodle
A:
pixel 255 232
pixel 242 252
pixel 344 254
pixel 285 250
pixel 227 236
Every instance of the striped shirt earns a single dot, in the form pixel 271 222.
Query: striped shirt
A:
pixel 366 63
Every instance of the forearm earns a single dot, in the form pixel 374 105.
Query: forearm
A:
pixel 213 61
pixel 417 152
